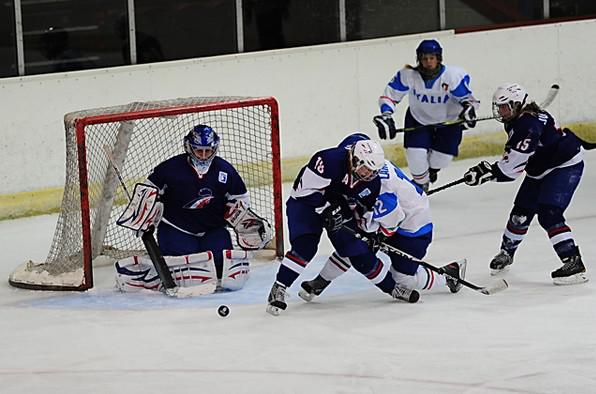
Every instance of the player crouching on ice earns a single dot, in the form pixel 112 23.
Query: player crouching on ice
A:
pixel 553 161
pixel 401 218
pixel 199 194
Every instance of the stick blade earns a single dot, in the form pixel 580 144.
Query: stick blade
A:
pixel 495 287
pixel 192 291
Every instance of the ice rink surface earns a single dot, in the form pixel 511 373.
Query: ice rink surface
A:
pixel 531 338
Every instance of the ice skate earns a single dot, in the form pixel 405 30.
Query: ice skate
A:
pixel 403 294
pixel 276 301
pixel 433 174
pixel 572 272
pixel 500 264
pixel 312 288
pixel 423 186
pixel 455 271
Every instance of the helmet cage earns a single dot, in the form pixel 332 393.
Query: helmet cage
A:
pixel 366 159
pixel 201 138
pixel 513 96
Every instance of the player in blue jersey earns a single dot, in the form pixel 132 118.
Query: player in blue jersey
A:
pixel 333 183
pixel 437 93
pixel 401 218
pixel 201 194
pixel 553 161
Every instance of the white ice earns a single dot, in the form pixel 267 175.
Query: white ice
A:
pixel 534 337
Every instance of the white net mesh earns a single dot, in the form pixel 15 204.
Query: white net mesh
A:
pixel 141 135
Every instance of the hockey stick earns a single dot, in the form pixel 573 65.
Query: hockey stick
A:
pixel 550 96
pixel 552 93
pixel 165 276
pixel 155 255
pixel 445 186
pixel 497 286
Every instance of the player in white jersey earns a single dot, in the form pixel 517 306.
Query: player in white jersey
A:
pixel 437 93
pixel 402 219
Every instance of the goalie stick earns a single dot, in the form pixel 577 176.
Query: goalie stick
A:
pixel 495 287
pixel 550 96
pixel 165 276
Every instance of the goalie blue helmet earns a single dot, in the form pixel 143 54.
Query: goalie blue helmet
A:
pixel 201 145
pixel 431 47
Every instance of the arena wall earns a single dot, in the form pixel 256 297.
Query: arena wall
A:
pixel 324 92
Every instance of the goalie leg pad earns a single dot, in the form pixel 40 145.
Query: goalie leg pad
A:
pixel 193 269
pixel 236 269
pixel 137 272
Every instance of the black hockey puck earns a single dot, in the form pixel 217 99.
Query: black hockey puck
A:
pixel 223 310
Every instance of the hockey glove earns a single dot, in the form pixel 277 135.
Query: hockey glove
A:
pixel 468 114
pixel 252 231
pixel 374 241
pixel 333 218
pixel 386 125
pixel 480 173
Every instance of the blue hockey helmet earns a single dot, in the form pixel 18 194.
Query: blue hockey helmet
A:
pixel 429 47
pixel 201 145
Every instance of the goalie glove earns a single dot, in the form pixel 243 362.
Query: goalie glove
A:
pixel 143 211
pixel 252 231
pixel 386 125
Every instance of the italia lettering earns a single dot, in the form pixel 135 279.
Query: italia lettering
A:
pixel 423 98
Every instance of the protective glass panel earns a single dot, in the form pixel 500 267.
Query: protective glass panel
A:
pixel 8 51
pixel 571 8
pixel 70 35
pixel 182 29
pixel 384 18
pixel 478 13
pixel 277 24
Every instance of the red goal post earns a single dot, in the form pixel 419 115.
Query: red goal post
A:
pixel 140 135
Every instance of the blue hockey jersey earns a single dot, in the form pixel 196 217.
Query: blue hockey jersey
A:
pixel 536 145
pixel 327 176
pixel 194 203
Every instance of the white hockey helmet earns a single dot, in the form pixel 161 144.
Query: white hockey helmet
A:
pixel 508 100
pixel 366 158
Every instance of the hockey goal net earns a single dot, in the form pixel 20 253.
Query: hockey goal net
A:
pixel 139 136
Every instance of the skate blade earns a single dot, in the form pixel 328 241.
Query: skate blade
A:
pixel 503 271
pixel 305 295
pixel 571 280
pixel 272 310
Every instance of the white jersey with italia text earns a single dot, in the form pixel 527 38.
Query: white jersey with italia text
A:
pixel 433 101
pixel 401 206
